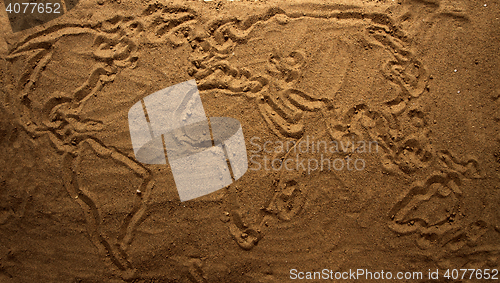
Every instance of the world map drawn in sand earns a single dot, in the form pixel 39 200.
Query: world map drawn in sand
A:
pixel 417 78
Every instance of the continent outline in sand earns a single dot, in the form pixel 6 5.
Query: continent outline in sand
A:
pixel 117 47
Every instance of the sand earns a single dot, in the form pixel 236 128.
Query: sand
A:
pixel 418 80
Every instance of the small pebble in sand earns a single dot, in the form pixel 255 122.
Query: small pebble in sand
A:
pixel 455 70
pixel 100 2
pixel 282 19
pixel 495 95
